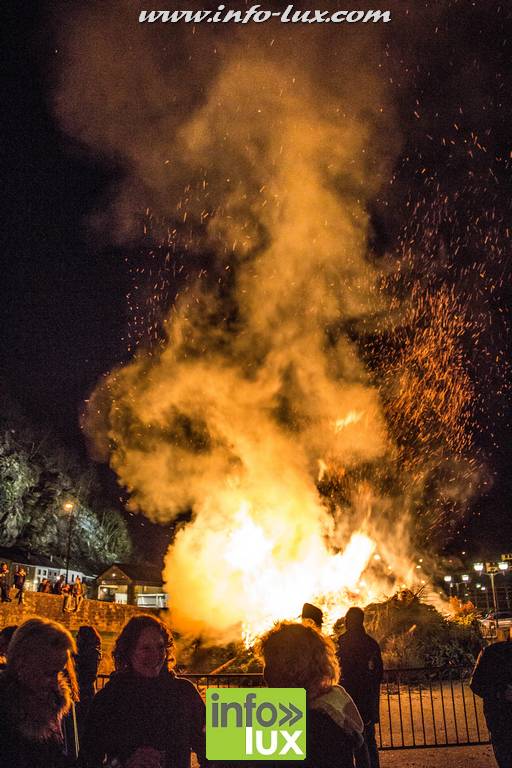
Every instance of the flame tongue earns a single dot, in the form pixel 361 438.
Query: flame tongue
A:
pixel 262 571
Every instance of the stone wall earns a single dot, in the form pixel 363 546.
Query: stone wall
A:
pixel 106 617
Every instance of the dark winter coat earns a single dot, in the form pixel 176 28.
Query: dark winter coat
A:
pixel 492 674
pixel 361 671
pixel 86 665
pixel 333 732
pixel 87 662
pixel 327 746
pixel 165 713
pixel 19 580
pixel 23 742
pixel 4 579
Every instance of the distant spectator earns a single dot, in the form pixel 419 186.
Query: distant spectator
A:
pixel 5 638
pixel 492 680
pixel 20 577
pixel 361 675
pixel 58 586
pixel 36 691
pixel 77 591
pixel 5 583
pixel 67 604
pixel 87 660
pixel 45 586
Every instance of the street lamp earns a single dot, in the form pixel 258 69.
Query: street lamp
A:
pixel 465 586
pixel 491 569
pixel 69 508
pixel 448 580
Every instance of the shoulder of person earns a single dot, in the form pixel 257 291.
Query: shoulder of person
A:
pixel 327 739
pixel 342 640
pixel 185 686
pixel 319 718
pixel 372 642
pixel 117 685
pixel 497 649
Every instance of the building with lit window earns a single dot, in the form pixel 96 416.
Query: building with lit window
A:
pixel 132 584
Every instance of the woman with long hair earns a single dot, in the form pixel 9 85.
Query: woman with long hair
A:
pixel 37 690
pixel 300 656
pixel 145 717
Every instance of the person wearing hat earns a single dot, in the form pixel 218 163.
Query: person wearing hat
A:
pixel 314 614
pixel 360 660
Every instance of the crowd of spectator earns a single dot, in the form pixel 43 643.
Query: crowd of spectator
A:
pixel 73 593
pixel 52 716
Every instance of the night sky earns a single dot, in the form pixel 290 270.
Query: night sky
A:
pixel 63 296
pixel 63 308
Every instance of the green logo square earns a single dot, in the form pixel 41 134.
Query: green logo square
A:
pixel 256 724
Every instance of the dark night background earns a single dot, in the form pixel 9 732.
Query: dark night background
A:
pixel 63 308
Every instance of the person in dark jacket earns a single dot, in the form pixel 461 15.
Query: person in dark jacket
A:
pixel 87 660
pixel 45 587
pixel 299 656
pixel 145 717
pixel 4 583
pixel 361 674
pixel 20 577
pixel 37 689
pixel 58 586
pixel 492 680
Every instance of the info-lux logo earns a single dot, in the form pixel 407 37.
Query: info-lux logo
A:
pixel 261 724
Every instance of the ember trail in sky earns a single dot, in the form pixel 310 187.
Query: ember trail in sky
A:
pixel 308 393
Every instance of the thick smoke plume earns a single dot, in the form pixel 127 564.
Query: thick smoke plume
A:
pixel 267 149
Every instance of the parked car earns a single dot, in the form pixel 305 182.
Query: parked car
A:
pixel 495 619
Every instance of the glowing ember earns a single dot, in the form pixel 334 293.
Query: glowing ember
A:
pixel 351 418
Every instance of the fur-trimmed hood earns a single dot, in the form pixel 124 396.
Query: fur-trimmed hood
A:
pixel 36 717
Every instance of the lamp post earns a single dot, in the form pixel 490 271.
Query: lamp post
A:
pixel 69 508
pixel 491 569
pixel 465 586
pixel 503 566
pixel 448 580
pixel 479 568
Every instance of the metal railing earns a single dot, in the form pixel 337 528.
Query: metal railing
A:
pixel 418 707
pixel 429 708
